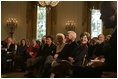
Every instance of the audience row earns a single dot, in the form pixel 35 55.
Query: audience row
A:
pixel 46 55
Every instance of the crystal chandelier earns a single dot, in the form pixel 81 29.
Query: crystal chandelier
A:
pixel 70 26
pixel 48 3
pixel 11 25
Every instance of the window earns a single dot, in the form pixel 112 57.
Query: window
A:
pixel 96 23
pixel 41 22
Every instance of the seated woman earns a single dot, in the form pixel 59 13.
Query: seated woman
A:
pixel 32 60
pixel 59 43
pixel 21 56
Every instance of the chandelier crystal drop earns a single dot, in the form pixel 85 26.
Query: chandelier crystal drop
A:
pixel 48 3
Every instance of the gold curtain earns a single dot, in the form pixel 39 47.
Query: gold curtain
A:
pixel 31 19
pixel 86 18
pixel 86 21
pixel 51 22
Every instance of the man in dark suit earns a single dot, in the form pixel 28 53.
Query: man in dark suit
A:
pixel 49 47
pixel 69 47
pixel 8 46
pixel 7 53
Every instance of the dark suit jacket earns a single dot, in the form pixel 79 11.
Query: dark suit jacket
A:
pixel 10 49
pixel 79 53
pixel 99 49
pixel 91 52
pixel 111 53
pixel 67 50
pixel 48 50
pixel 22 50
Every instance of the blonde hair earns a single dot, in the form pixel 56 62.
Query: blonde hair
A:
pixel 60 34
